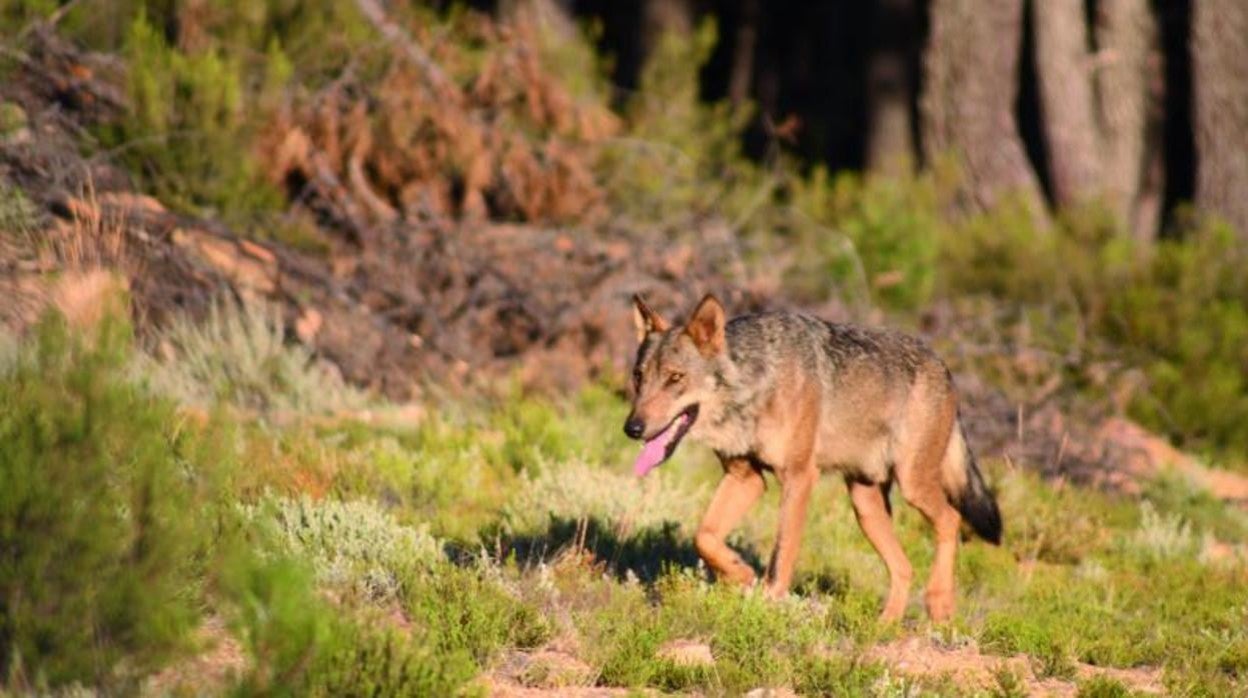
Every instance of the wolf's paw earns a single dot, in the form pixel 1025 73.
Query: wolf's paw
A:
pixel 939 604
pixel 775 592
pixel 892 612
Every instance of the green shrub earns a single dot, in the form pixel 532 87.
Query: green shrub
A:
pixel 1177 309
pixel 300 645
pixel 681 158
pixel 1184 318
pixel 351 545
pixel 468 609
pixel 17 214
pixel 1161 537
pixel 1103 687
pixel 457 617
pixel 186 131
pixel 99 514
pixel 368 659
pixel 612 496
pixel 1173 493
pixel 871 239
pixel 239 355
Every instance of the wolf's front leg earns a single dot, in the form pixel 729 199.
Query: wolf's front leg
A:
pixel 796 486
pixel 741 487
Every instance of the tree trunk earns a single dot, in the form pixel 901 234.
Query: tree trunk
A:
pixel 1067 100
pixel 743 50
pixel 1102 110
pixel 1220 109
pixel 1130 80
pixel 890 141
pixel 971 82
pixel 660 17
pixel 551 16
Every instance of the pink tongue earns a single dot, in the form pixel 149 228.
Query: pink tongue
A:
pixel 655 450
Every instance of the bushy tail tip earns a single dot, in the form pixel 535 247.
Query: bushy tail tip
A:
pixel 977 505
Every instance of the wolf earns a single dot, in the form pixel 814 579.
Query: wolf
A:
pixel 796 396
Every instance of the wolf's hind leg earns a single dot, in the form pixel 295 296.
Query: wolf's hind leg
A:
pixel 738 491
pixel 871 509
pixel 922 489
pixel 919 470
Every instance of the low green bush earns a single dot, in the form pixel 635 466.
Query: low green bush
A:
pixel 455 618
pixel 301 645
pixel 239 355
pixel 1176 309
pixel 101 514
pixel 870 240
pixel 18 216
pixel 350 545
pixel 680 158
pixel 187 127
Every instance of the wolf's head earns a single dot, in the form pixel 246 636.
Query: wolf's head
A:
pixel 676 373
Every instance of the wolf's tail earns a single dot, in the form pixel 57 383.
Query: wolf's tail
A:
pixel 964 485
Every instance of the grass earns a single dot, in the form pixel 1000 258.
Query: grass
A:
pixel 419 558
pixel 239 354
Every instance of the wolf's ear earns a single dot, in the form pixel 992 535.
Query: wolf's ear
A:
pixel 645 319
pixel 706 326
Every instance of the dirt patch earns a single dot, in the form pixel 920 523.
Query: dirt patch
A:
pixel 206 673
pixel 545 672
pixel 920 657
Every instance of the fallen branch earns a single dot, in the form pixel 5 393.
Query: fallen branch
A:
pixel 413 51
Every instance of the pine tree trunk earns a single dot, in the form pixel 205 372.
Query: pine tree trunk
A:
pixel 660 17
pixel 744 46
pixel 1131 86
pixel 1064 68
pixel 1102 107
pixel 552 16
pixel 1219 48
pixel 971 82
pixel 890 88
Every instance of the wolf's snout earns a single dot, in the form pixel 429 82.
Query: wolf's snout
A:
pixel 634 427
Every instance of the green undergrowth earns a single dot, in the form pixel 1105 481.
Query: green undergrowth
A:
pixel 105 515
pixel 239 355
pixel 416 558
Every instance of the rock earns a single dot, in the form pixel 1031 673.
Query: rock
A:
pixel 248 272
pixel 129 202
pixel 308 325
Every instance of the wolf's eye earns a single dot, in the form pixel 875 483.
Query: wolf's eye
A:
pixel 675 377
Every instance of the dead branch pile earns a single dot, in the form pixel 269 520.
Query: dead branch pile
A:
pixel 500 138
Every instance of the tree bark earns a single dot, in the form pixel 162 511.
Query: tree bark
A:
pixel 553 16
pixel 1130 82
pixel 971 81
pixel 1219 48
pixel 1068 102
pixel 890 88
pixel 660 17
pixel 743 50
pixel 1102 107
